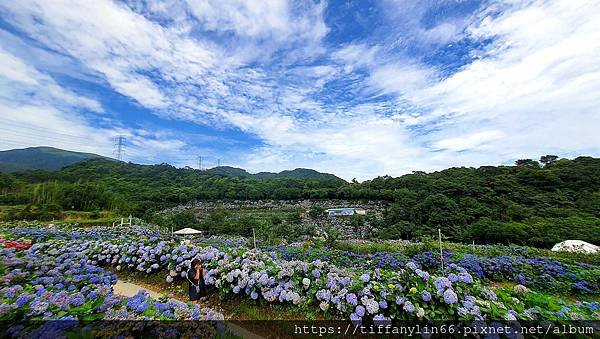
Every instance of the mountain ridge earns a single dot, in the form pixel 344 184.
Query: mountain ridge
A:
pixel 42 158
pixel 53 159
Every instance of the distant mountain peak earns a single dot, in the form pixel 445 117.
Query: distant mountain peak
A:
pixel 53 159
pixel 41 158
pixel 303 173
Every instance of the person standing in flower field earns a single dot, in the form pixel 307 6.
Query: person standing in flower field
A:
pixel 195 276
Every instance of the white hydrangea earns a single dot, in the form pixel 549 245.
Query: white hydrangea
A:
pixel 306 283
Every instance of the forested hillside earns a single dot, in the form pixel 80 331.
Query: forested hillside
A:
pixel 44 158
pixel 527 203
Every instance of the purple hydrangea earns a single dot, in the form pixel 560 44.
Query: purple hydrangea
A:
pixel 23 299
pixel 351 299
pixel 426 296
pixel 77 299
pixel 411 265
pixel 450 297
pixel 442 283
pixel 360 311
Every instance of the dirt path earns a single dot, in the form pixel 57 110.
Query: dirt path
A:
pixel 129 289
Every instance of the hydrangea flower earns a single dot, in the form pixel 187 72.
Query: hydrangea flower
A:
pixel 305 282
pixel 426 296
pixel 450 297
pixel 360 311
pixel 351 299
pixel 411 265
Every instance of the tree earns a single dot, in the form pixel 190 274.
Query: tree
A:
pixel 527 163
pixel 184 219
pixel 548 160
pixel 8 183
pixel 440 210
pixel 400 230
pixel 316 212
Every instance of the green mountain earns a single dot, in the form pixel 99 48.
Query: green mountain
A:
pixel 40 158
pixel 53 159
pixel 229 171
pixel 298 173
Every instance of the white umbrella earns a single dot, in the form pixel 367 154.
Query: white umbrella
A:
pixel 187 231
pixel 575 246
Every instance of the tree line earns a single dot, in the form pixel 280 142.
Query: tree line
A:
pixel 533 202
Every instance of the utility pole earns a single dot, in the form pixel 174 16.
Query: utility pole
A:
pixel 120 147
pixel 441 253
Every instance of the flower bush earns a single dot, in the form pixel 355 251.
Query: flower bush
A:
pixel 61 279
pixel 18 245
pixel 410 289
pixel 543 273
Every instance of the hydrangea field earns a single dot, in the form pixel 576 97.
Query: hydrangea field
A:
pixel 58 278
pixel 67 273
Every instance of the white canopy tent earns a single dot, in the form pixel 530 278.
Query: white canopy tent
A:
pixel 575 246
pixel 187 231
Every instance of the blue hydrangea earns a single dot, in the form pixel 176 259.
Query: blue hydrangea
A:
pixel 365 278
pixel 450 297
pixel 400 300
pixel 408 307
pixel 352 299
pixel 360 311
pixel 442 283
pixel 77 299
pixel 23 299
pixel 489 295
pixel 426 296
pixel 411 265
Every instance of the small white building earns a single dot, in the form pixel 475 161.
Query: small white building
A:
pixel 575 246
pixel 345 211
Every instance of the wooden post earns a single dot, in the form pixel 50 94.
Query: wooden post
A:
pixel 121 221
pixel 254 236
pixel 441 253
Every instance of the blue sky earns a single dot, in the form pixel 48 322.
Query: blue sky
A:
pixel 355 88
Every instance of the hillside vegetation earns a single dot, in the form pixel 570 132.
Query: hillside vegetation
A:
pixel 42 158
pixel 523 204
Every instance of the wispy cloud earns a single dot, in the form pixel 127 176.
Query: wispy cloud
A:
pixel 431 84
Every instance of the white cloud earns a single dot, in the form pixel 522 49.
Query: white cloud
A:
pixel 19 81
pixel 36 111
pixel 468 142
pixel 533 90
